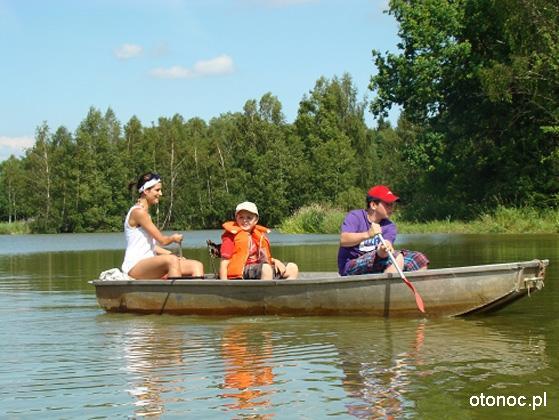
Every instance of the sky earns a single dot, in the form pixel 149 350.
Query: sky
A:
pixel 158 58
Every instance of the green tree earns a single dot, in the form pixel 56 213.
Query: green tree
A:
pixel 98 201
pixel 478 80
pixel 225 174
pixel 12 190
pixel 271 157
pixel 39 170
pixel 172 156
pixel 331 126
pixel 63 181
pixel 134 155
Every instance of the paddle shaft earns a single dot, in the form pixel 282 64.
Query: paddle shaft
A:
pixel 418 299
pixel 173 280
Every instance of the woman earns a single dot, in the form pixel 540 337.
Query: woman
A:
pixel 143 258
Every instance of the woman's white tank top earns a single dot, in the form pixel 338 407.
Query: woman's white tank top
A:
pixel 139 244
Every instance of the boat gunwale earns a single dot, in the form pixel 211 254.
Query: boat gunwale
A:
pixel 330 277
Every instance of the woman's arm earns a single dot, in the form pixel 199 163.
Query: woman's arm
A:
pixel 140 217
pixel 162 251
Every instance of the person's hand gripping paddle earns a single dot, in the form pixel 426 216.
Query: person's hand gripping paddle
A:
pixel 418 299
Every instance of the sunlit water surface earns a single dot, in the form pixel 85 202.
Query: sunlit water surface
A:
pixel 63 357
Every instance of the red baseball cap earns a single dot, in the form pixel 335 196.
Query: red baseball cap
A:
pixel 382 193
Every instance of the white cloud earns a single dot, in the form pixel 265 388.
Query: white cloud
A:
pixel 14 146
pixel 17 143
pixel 217 66
pixel 222 64
pixel 127 51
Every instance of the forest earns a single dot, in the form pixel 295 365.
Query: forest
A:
pixel 477 82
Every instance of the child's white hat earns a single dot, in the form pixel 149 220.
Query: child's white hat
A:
pixel 248 206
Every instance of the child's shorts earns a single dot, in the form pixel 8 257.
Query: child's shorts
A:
pixel 254 272
pixel 371 263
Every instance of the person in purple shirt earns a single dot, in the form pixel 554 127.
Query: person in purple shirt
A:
pixel 361 250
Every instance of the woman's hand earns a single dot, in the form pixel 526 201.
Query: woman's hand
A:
pixel 176 237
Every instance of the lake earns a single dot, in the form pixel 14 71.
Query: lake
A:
pixel 61 356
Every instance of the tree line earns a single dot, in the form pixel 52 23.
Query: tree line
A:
pixel 77 182
pixel 478 85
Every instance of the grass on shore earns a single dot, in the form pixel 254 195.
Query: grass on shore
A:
pixel 14 228
pixel 323 219
pixel 319 218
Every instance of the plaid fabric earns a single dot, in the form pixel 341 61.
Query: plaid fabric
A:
pixel 414 260
pixel 253 271
pixel 371 263
pixel 367 263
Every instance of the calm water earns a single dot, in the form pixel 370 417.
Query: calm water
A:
pixel 63 357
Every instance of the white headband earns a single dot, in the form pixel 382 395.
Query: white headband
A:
pixel 149 184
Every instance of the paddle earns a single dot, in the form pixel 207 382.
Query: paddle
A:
pixel 418 299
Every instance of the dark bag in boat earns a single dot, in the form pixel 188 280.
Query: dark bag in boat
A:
pixel 214 249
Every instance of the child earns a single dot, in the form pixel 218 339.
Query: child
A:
pixel 245 249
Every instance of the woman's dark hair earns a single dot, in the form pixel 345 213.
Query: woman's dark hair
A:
pixel 148 176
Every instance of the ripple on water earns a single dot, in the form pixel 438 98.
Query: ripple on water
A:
pixel 63 357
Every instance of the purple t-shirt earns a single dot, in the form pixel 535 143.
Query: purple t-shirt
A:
pixel 357 221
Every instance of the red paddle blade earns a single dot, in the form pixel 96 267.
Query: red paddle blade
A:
pixel 418 299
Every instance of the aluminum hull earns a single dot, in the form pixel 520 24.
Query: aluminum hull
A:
pixel 446 292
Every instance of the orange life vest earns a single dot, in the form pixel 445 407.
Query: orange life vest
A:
pixel 242 241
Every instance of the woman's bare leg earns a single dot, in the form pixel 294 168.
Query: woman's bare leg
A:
pixel 156 267
pixel 192 268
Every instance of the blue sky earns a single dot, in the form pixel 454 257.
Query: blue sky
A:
pixel 156 58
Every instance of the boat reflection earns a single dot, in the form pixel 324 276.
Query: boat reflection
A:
pixel 383 368
pixel 247 355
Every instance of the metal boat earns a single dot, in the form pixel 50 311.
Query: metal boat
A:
pixel 459 291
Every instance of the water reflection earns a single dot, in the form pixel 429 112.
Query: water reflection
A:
pixel 389 372
pixel 247 355
pixel 378 387
pixel 385 368
pixel 154 358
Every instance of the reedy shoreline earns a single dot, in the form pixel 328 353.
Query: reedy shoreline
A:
pixel 324 219
pixel 319 218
